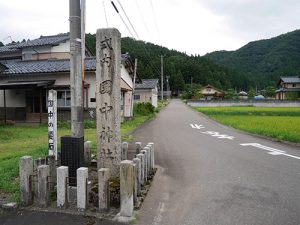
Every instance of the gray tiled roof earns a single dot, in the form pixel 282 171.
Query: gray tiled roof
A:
pixel 288 90
pixel 43 40
pixel 42 66
pixel 290 79
pixel 147 84
pixel 11 67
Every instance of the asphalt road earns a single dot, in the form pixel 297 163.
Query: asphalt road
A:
pixel 214 175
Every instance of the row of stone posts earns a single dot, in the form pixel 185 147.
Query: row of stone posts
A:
pixel 133 175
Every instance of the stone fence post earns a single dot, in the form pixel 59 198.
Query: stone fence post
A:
pixel 103 188
pixel 142 158
pixel 25 171
pixel 138 146
pixel 62 186
pixel 124 153
pixel 87 152
pixel 152 155
pixel 43 173
pixel 126 188
pixel 144 152
pixel 82 176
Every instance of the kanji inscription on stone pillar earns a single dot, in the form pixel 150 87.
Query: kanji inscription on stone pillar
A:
pixel 52 123
pixel 108 92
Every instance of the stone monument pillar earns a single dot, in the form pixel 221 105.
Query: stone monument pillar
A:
pixel 52 123
pixel 108 92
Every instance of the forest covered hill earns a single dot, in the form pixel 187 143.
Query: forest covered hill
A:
pixel 264 61
pixel 180 67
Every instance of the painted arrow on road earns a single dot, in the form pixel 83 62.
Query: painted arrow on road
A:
pixel 196 126
pixel 272 151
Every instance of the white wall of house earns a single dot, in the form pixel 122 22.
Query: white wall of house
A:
pixel 62 47
pixel 14 98
pixel 126 77
pixel 146 95
pixel 63 79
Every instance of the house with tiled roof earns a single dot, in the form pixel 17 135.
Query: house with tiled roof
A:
pixel 289 88
pixel 28 70
pixel 146 91
pixel 210 92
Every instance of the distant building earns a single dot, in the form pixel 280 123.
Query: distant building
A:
pixel 28 70
pixel 243 95
pixel 211 93
pixel 288 85
pixel 146 91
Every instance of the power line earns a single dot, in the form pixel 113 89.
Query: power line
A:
pixel 116 9
pixel 105 13
pixel 154 16
pixel 147 53
pixel 128 20
pixel 141 15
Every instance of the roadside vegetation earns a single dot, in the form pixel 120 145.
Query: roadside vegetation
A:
pixel 280 123
pixel 17 141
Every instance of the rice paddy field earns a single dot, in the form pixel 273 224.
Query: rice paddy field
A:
pixel 280 123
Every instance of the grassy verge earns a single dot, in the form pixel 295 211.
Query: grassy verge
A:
pixel 279 123
pixel 16 142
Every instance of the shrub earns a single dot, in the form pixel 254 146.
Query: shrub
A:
pixel 143 108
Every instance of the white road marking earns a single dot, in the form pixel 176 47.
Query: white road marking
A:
pixel 218 135
pixel 196 126
pixel 272 151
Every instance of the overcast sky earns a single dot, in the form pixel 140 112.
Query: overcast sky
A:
pixel 191 26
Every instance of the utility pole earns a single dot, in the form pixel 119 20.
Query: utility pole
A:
pixel 168 87
pixel 133 86
pixel 162 77
pixel 76 69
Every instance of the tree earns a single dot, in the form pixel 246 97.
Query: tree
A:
pixel 270 91
pixel 251 93
pixel 1 44
pixel 230 94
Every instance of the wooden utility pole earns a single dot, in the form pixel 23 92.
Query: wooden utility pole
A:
pixel 76 69
pixel 162 77
pixel 133 86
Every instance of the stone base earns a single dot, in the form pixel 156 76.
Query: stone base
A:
pixel 124 219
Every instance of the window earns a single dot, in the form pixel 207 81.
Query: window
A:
pixel 137 97
pixel 294 85
pixel 63 98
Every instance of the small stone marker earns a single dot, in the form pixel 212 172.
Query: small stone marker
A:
pixel 124 151
pixel 103 188
pixel 52 123
pixel 38 162
pixel 134 184
pixel 152 155
pixel 50 161
pixel 26 169
pixel 148 160
pixel 137 161
pixel 43 173
pixel 138 146
pixel 82 176
pixel 87 153
pixel 62 174
pixel 144 152
pixel 142 158
pixel 126 188
pixel 108 92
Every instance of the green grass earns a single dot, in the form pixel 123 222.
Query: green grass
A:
pixel 16 142
pixel 279 123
